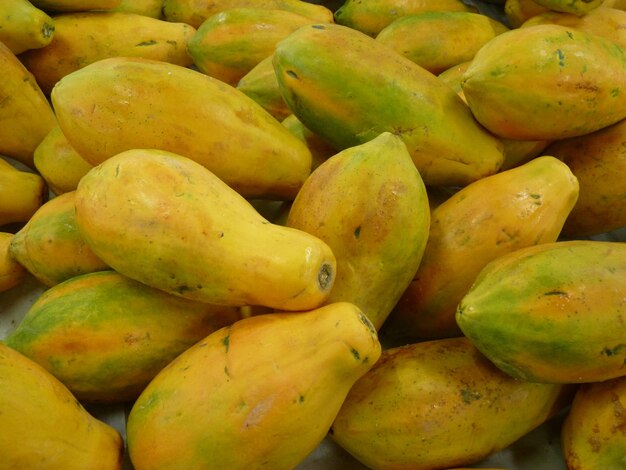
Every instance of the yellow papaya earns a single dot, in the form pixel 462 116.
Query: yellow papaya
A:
pixel 372 16
pixel 24 26
pixel 83 38
pixel 546 82
pixel 619 4
pixel 320 149
pixel 26 114
pixel 50 246
pixel 105 336
pixel 229 44
pixel 230 134
pixel 58 163
pixel 12 273
pixel 591 435
pixel 438 40
pixel 62 6
pixel 518 11
pixel 577 7
pixel 262 392
pixel 525 307
pixel 195 13
pixel 527 205
pixel 369 204
pixel 188 233
pixel 598 160
pixel 22 193
pixel 439 404
pixel 318 64
pixel 45 426
pixel 151 8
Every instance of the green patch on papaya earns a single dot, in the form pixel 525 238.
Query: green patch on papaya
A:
pixel 561 56
pixel 357 232
pixel 355 353
pixel 613 351
pixel 226 342
pixel 469 396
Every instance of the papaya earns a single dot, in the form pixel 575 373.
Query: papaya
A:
pixel 551 312
pixel 315 66
pixel 419 404
pixel 195 13
pixel 591 435
pixel 607 22
pixel 48 427
pixel 452 76
pixel 369 204
pixel 618 4
pixel 71 6
pixel 105 336
pixel 26 114
pixel 12 273
pixel 518 11
pixel 86 37
pixel 546 82
pixel 229 44
pixel 24 26
pixel 262 392
pixel 527 205
pixel 598 160
pixel 58 163
pixel 320 149
pixel 230 134
pixel 50 246
pixel 438 40
pixel 188 233
pixel 151 8
pixel 577 7
pixel 22 193
pixel 372 16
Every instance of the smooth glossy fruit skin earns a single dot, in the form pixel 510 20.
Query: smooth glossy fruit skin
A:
pixel 22 193
pixel 23 26
pixel 496 215
pixel 186 232
pixel 261 393
pixel 577 7
pixel 48 427
pixel 598 160
pixel 546 82
pixel 525 309
pixel 229 134
pixel 12 273
pixel 50 246
pixel 369 204
pixel 83 38
pixel 439 404
pixel 326 74
pixel 592 436
pixel 105 336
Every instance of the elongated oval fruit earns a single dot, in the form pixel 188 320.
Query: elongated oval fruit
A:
pixel 527 205
pixel 105 336
pixel 369 204
pixel 48 427
pixel 24 26
pixel 260 393
pixel 547 82
pixel 317 65
pixel 12 273
pixel 22 193
pixel 144 103
pixel 167 221
pixel 439 404
pixel 551 312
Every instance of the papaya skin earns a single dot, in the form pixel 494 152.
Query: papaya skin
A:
pixel 379 237
pixel 24 26
pixel 22 193
pixel 274 384
pixel 576 7
pixel 12 273
pixel 518 11
pixel 551 312
pixel 418 405
pixel 527 206
pixel 189 234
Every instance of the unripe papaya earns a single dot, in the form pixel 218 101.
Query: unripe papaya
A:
pixel 317 64
pixel 369 204
pixel 24 26
pixel 439 404
pixel 547 82
pixel 50 246
pixel 551 312
pixel 45 426
pixel 105 336
pixel 188 233
pixel 260 393
pixel 527 205
pixel 229 134
pixel 12 273
pixel 22 193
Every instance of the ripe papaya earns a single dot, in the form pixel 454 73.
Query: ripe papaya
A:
pixel 24 26
pixel 188 233
pixel 105 336
pixel 317 64
pixel 12 273
pixel 369 204
pixel 151 8
pixel 22 193
pixel 577 7
pixel 551 312
pixel 518 11
pixel 262 392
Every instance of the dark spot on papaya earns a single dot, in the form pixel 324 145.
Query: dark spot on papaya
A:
pixel 171 42
pixel 325 276
pixel 357 232
pixel 556 292
pixel 150 42
pixel 292 74
pixel 366 321
pixel 561 56
pixel 226 342
pixel 47 30
pixel 469 396
pixel 569 33
pixel 220 235
pixel 355 353
pixel 615 92
pixel 226 371
pixel 182 289
pixel 117 171
pixel 301 398
pixel 318 26
pixel 609 352
pixel 535 196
